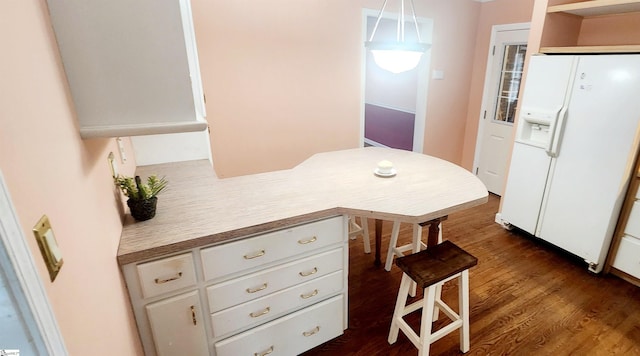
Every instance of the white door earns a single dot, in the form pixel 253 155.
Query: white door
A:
pixel 500 100
pixel 177 325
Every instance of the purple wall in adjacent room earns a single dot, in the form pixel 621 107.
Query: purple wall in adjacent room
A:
pixel 392 128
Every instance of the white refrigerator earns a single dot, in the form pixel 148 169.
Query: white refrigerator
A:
pixel 574 150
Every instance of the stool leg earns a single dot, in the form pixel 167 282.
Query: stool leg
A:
pixel 417 246
pixel 427 320
pixel 463 295
pixel 365 234
pixel 436 310
pixel 398 312
pixel 417 238
pixel 395 231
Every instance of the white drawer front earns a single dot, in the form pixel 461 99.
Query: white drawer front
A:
pixel 628 256
pixel 177 327
pixel 291 334
pixel 237 256
pixel 166 275
pixel 243 289
pixel 269 307
pixel 633 224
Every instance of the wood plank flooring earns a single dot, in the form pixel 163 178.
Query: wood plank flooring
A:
pixel 527 298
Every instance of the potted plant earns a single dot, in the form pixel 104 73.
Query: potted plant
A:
pixel 142 196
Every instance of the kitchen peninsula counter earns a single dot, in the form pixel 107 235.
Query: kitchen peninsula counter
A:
pixel 197 209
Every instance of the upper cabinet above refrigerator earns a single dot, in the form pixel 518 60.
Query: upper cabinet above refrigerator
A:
pixel 132 66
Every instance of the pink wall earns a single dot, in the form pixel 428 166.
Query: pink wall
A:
pixel 50 170
pixel 454 29
pixel 283 79
pixel 492 13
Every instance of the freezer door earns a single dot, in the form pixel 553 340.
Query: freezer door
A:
pixel 525 187
pixel 591 172
pixel 544 95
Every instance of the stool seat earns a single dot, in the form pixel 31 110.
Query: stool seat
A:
pixel 436 263
pixel 429 269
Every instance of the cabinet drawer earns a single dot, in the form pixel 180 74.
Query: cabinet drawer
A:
pixel 166 275
pixel 237 256
pixel 633 224
pixel 291 334
pixel 243 289
pixel 628 256
pixel 276 304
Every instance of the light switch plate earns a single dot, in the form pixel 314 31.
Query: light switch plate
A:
pixel 48 246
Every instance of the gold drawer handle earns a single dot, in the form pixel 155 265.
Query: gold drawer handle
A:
pixel 307 296
pixel 264 353
pixel 256 255
pixel 161 281
pixel 261 313
pixel 306 274
pixel 307 241
pixel 312 332
pixel 193 315
pixel 262 287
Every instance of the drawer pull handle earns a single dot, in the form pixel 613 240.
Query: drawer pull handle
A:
pixel 255 255
pixel 261 313
pixel 307 241
pixel 262 287
pixel 306 274
pixel 264 353
pixel 193 315
pixel 307 296
pixel 312 332
pixel 161 281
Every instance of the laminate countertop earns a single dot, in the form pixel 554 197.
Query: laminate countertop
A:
pixel 198 209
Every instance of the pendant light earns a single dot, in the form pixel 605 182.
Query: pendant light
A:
pixel 398 56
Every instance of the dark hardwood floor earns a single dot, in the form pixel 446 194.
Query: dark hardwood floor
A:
pixel 527 298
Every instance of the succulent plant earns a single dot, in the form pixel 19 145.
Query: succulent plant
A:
pixel 135 189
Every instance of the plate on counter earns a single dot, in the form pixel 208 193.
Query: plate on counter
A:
pixel 392 173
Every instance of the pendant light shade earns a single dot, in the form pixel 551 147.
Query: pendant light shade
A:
pixel 397 56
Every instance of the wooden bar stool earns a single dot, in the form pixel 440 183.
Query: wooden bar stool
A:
pixel 356 229
pixel 431 268
pixel 434 237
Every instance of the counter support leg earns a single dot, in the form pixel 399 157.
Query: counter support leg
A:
pixel 377 261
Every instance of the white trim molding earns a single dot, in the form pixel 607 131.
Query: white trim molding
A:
pixel 20 261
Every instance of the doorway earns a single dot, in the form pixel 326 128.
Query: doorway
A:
pixel 394 107
pixel 27 323
pixel 499 103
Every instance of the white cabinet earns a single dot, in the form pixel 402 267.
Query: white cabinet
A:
pixel 177 326
pixel 627 252
pixel 290 335
pixel 624 255
pixel 132 66
pixel 283 289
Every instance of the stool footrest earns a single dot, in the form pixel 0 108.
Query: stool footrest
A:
pixel 408 332
pixel 447 310
pixel 445 331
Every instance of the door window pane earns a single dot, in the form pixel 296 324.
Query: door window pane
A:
pixel 510 77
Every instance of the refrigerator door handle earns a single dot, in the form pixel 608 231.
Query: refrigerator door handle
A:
pixel 552 131
pixel 557 133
